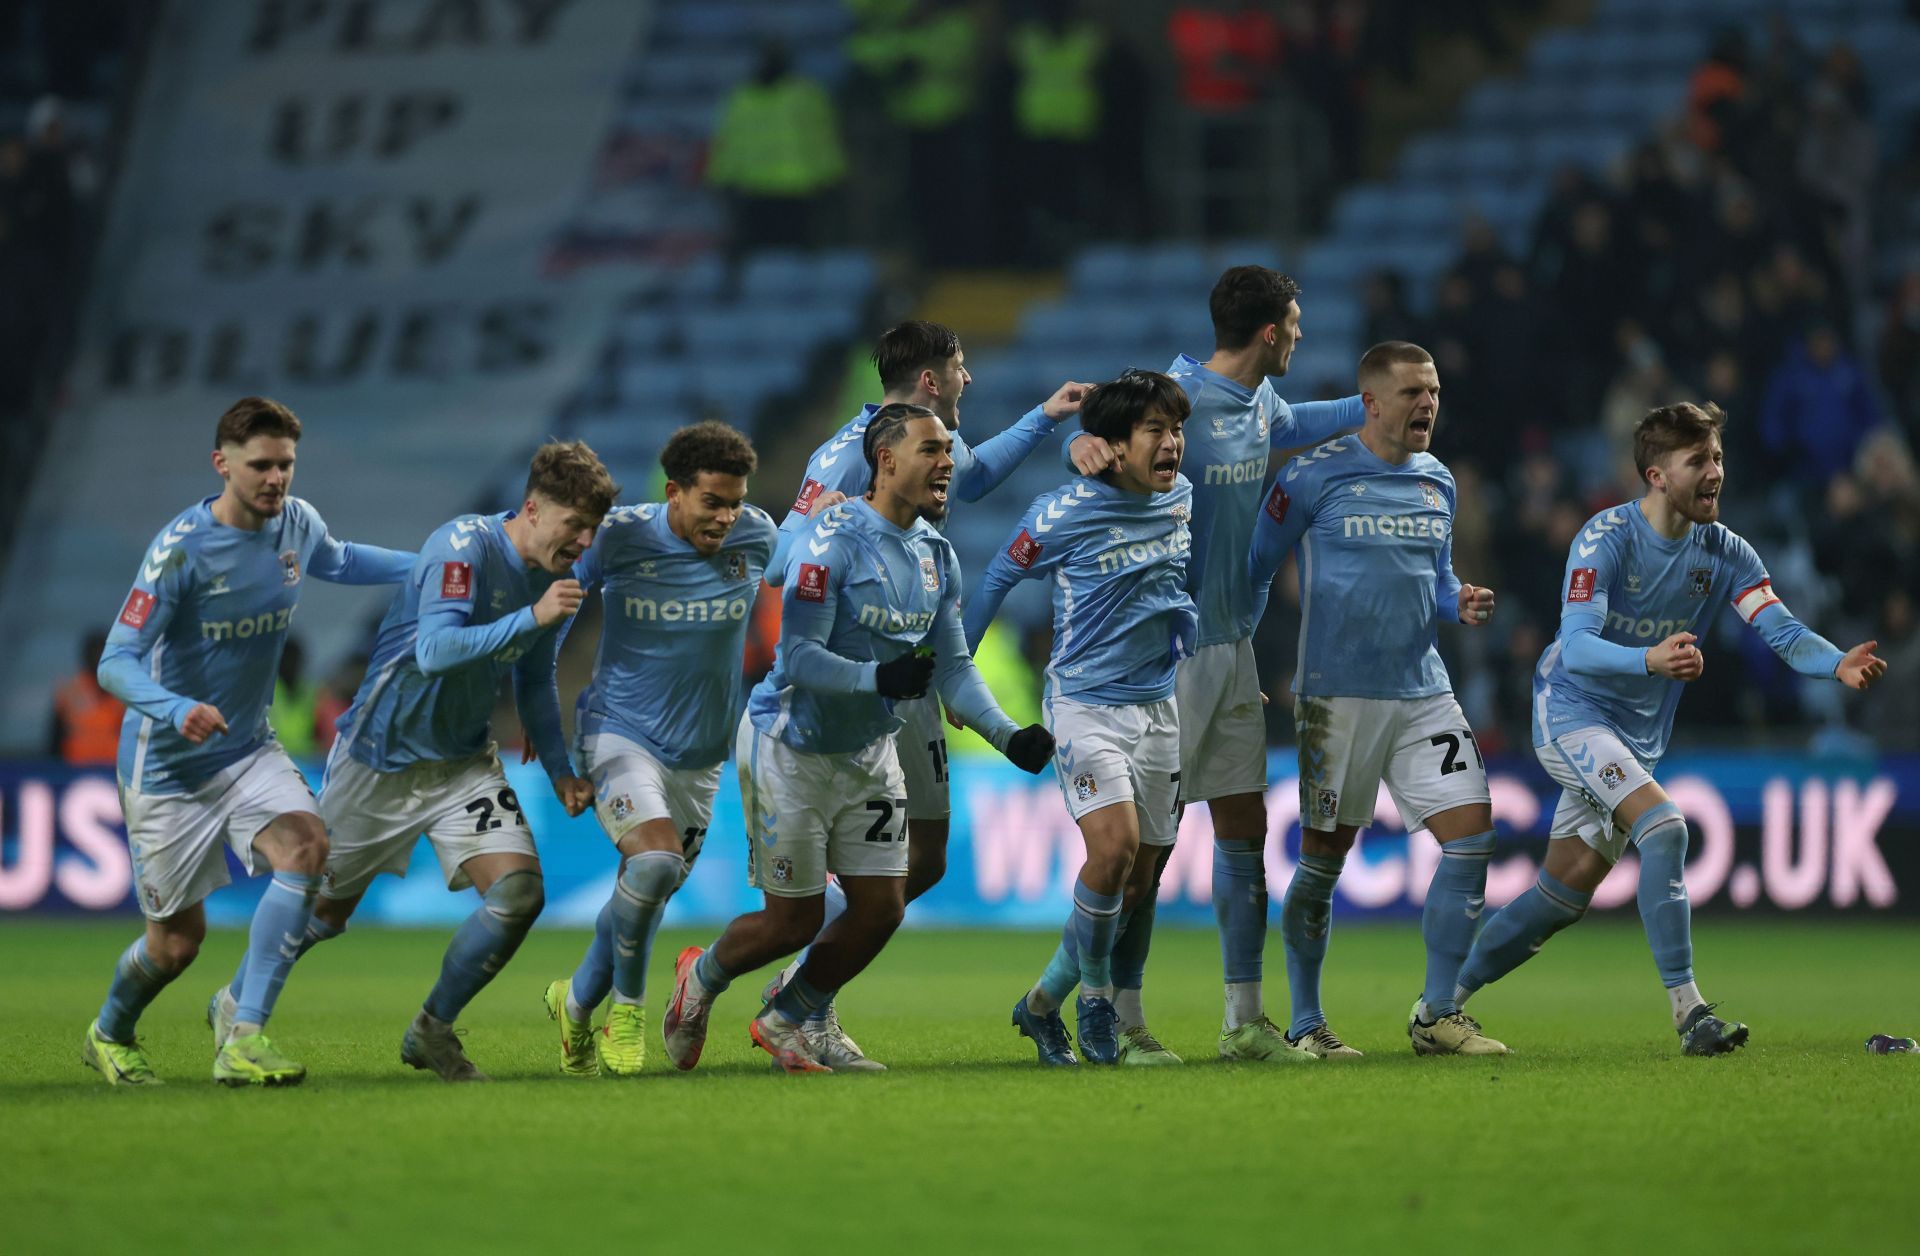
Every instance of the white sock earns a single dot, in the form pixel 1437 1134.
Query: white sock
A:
pixel 1097 992
pixel 574 1011
pixel 1244 1003
pixel 242 1028
pixel 1040 1003
pixel 787 973
pixel 1127 1004
pixel 1684 999
pixel 623 999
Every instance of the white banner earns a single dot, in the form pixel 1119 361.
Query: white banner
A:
pixel 347 205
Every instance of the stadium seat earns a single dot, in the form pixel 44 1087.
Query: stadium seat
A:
pixel 1100 269
pixel 1177 268
pixel 1249 252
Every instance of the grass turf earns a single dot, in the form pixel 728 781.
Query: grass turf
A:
pixel 1598 1135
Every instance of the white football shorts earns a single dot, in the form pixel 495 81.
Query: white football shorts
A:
pixel 811 814
pixel 631 787
pixel 1108 754
pixel 464 806
pixel 922 747
pixel 1223 732
pixel 1421 747
pixel 1596 773
pixel 175 839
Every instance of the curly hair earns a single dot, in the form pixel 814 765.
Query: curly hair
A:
pixel 570 473
pixel 707 446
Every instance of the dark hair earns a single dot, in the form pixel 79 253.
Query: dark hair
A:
pixel 1383 357
pixel 884 428
pixel 254 416
pixel 1111 410
pixel 904 351
pixel 1246 299
pixel 570 473
pixel 708 446
pixel 1680 426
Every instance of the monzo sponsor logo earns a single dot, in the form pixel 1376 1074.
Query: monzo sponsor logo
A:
pixel 1237 472
pixel 1394 527
pixel 1659 629
pixel 248 626
pixel 706 610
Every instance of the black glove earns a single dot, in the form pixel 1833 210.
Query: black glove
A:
pixel 1030 748
pixel 905 677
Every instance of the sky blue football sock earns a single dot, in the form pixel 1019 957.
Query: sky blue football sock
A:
pixel 1306 921
pixel 136 981
pixel 707 971
pixel 1660 834
pixel 485 941
pixel 593 979
pixel 274 940
pixel 1518 930
pixel 1133 940
pixel 799 998
pixel 639 898
pixel 1455 898
pixel 1240 907
pixel 836 903
pixel 317 931
pixel 1063 970
pixel 1095 921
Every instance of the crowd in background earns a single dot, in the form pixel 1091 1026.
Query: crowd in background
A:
pixel 1732 257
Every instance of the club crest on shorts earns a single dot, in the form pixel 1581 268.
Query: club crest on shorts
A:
pixel 1611 776
pixel 1085 787
pixel 1699 581
pixel 1326 803
pixel 1432 496
pixel 782 869
pixel 929 574
pixel 736 566
pixel 621 808
pixel 289 567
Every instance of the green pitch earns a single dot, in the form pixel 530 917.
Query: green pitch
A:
pixel 1598 1136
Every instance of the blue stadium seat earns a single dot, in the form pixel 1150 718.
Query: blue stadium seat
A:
pixel 1560 54
pixel 738 394
pixel 1052 326
pixel 1547 102
pixel 697 282
pixel 646 331
pixel 1255 251
pixel 1177 268
pixel 653 381
pixel 1494 104
pixel 1365 211
pixel 1105 269
pixel 845 274
pixel 1427 159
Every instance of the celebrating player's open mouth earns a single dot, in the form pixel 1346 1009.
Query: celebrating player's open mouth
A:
pixel 1165 467
pixel 938 486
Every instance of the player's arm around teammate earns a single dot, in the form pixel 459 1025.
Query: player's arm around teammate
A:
pixel 819 773
pixel 199 769
pixel 1372 518
pixel 1604 705
pixel 1114 551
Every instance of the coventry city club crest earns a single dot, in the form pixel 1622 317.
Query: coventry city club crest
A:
pixel 929 574
pixel 1432 495
pixel 290 566
pixel 1611 776
pixel 736 566
pixel 1085 787
pixel 1699 580
pixel 782 869
pixel 620 808
pixel 1326 803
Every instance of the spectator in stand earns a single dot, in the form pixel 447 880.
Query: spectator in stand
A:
pixel 1890 714
pixel 1717 94
pixel 1818 409
pixel 86 718
pixel 1388 316
pixel 776 153
pixel 1056 114
pixel 1900 352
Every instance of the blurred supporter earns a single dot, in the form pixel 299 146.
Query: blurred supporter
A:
pixel 86 718
pixel 777 153
pixel 296 704
pixel 1226 56
pixel 1818 408
pixel 1056 115
pixel 1900 352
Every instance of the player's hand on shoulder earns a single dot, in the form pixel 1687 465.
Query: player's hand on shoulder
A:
pixel 1676 658
pixel 203 722
pixel 905 677
pixel 574 792
pixel 1860 666
pixel 560 601
pixel 1066 399
pixel 1030 748
pixel 1476 605
pixel 1091 456
pixel 831 498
